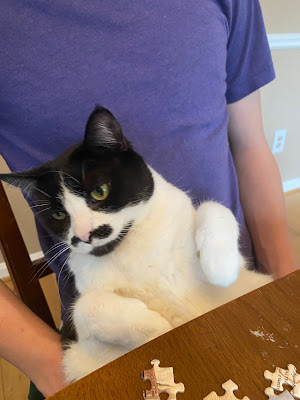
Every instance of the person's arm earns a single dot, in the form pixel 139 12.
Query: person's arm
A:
pixel 260 187
pixel 30 344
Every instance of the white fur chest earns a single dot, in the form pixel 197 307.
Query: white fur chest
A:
pixel 147 265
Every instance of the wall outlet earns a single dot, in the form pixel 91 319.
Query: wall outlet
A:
pixel 279 141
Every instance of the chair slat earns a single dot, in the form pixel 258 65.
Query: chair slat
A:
pixel 19 265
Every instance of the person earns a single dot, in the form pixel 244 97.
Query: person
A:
pixel 182 79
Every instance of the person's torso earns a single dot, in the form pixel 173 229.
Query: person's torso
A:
pixel 159 66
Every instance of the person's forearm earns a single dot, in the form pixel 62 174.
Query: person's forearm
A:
pixel 263 204
pixel 30 344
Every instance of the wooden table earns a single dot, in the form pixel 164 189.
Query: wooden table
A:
pixel 237 341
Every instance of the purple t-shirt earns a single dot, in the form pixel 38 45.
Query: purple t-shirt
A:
pixel 166 69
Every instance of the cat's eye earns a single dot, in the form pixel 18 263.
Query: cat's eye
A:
pixel 59 215
pixel 100 193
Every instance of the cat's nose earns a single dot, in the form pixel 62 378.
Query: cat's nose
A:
pixel 82 228
pixel 84 237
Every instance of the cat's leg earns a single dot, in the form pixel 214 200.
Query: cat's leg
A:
pixel 217 242
pixel 174 307
pixel 117 320
pixel 82 358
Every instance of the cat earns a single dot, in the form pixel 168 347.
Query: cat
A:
pixel 144 259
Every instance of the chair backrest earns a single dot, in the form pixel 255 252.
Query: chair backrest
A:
pixel 19 264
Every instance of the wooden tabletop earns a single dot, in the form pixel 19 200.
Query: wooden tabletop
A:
pixel 237 341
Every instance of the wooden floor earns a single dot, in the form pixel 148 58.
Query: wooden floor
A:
pixel 14 385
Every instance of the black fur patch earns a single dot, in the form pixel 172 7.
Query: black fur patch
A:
pixel 69 333
pixel 101 232
pixel 109 247
pixel 128 177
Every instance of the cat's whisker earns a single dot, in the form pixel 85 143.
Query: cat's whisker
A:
pixel 63 259
pixel 46 209
pixel 175 183
pixel 27 187
pixel 41 270
pixel 37 205
pixel 39 190
pixel 41 201
pixel 70 176
pixel 55 246
pixel 65 262
pixel 59 254
pixel 61 251
pixel 77 192
pixel 67 277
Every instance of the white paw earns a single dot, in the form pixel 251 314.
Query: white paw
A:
pixel 84 357
pixel 219 259
pixel 217 242
pixel 77 363
pixel 153 326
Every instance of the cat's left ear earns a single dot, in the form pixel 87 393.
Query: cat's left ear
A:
pixel 103 130
pixel 26 181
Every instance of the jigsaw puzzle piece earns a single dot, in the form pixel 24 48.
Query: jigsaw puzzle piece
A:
pixel 277 378
pixel 295 378
pixel 162 381
pixel 282 396
pixel 282 377
pixel 229 388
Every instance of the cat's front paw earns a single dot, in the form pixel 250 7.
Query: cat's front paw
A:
pixel 220 262
pixel 153 326
pixel 217 242
pixel 82 358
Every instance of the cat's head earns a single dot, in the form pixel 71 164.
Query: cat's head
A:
pixel 91 194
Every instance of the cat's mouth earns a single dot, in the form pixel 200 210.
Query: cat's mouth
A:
pixel 96 249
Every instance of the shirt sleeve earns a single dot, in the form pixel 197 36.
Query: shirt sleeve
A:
pixel 249 63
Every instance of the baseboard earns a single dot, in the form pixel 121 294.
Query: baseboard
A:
pixel 4 272
pixel 281 41
pixel 292 184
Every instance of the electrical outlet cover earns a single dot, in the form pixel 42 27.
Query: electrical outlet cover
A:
pixel 279 141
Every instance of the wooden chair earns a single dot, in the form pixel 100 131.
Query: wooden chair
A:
pixel 19 264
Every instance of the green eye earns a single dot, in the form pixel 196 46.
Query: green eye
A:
pixel 100 193
pixel 59 215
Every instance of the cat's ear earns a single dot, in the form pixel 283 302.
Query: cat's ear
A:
pixel 26 181
pixel 103 130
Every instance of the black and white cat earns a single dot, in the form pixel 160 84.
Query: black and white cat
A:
pixel 143 258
